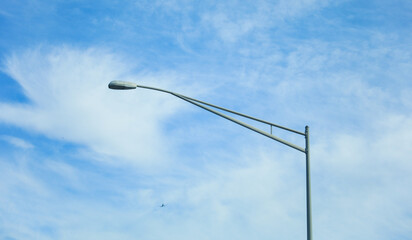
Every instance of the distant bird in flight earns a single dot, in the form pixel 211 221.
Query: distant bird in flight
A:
pixel 163 205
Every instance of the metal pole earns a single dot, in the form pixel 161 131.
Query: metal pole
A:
pixel 308 195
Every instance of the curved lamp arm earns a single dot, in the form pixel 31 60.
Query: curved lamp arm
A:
pixel 121 85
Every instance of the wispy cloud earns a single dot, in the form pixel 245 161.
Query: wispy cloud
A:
pixel 17 142
pixel 70 101
pixel 250 18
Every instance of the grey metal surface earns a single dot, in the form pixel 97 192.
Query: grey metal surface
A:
pixel 121 85
pixel 199 104
pixel 308 188
pixel 246 116
pixel 245 125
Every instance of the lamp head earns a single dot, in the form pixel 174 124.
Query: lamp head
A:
pixel 122 85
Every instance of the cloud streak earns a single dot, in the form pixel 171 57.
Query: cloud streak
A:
pixel 18 142
pixel 69 100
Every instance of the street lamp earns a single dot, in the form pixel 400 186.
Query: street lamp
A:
pixel 122 85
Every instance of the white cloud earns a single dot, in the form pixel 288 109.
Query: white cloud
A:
pixel 69 100
pixel 234 20
pixel 364 178
pixel 18 142
pixel 240 201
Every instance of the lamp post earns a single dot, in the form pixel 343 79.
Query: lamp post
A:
pixel 122 85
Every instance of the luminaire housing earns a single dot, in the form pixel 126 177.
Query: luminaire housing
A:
pixel 121 85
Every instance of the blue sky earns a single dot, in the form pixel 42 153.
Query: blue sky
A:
pixel 80 161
